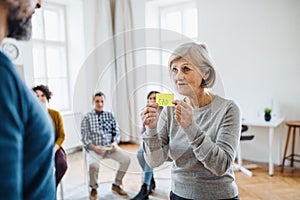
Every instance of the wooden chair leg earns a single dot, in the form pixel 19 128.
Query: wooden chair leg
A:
pixel 293 147
pixel 285 149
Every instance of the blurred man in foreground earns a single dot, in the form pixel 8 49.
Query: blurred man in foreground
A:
pixel 26 132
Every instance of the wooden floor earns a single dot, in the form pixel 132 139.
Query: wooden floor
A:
pixel 260 186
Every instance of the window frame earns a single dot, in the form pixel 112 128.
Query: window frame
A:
pixel 60 43
pixel 180 7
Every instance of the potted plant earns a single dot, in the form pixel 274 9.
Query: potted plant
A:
pixel 268 114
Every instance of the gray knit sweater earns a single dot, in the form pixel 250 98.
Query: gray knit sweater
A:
pixel 203 153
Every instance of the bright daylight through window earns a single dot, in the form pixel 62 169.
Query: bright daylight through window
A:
pixel 180 16
pixel 50 53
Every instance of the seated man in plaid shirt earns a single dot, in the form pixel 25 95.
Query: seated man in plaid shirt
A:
pixel 100 136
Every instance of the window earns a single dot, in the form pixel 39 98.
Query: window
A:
pixel 176 22
pixel 181 18
pixel 50 63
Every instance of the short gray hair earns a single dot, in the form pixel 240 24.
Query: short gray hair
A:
pixel 197 55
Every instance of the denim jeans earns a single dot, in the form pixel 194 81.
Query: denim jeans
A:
pixel 148 171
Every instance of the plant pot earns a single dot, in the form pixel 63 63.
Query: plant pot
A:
pixel 267 117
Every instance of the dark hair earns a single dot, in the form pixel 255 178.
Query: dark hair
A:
pixel 45 90
pixel 99 94
pixel 150 93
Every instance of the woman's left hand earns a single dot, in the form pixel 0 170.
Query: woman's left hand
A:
pixel 184 112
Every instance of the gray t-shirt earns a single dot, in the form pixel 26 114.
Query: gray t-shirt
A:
pixel 203 153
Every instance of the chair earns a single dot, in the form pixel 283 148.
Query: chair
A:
pixel 86 169
pixel 104 164
pixel 239 165
pixel 71 122
pixel 292 126
pixel 61 189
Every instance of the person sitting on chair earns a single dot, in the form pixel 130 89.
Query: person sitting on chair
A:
pixel 44 95
pixel 100 136
pixel 148 182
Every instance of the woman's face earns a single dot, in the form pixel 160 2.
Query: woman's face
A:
pixel 187 78
pixel 152 98
pixel 42 97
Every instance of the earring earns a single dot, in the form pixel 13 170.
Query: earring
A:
pixel 203 83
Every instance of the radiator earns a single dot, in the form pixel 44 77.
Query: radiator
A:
pixel 72 131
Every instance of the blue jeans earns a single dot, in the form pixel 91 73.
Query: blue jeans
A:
pixel 148 171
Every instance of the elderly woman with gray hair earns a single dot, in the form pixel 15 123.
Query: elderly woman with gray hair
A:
pixel 200 133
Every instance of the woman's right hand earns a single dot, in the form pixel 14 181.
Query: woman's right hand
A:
pixel 149 115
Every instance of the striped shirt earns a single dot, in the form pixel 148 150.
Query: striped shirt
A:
pixel 99 129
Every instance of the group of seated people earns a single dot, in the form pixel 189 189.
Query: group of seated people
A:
pixel 100 135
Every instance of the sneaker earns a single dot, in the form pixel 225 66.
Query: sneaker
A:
pixel 117 189
pixel 143 193
pixel 93 194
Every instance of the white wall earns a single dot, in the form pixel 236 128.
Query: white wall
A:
pixel 255 45
pixel 24 59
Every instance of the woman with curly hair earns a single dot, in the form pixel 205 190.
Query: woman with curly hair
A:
pixel 44 95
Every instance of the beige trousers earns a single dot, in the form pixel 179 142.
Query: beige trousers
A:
pixel 94 164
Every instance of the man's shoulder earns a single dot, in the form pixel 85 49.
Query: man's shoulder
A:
pixel 94 114
pixel 108 114
pixel 4 60
pixel 7 72
pixel 14 90
pixel 89 114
